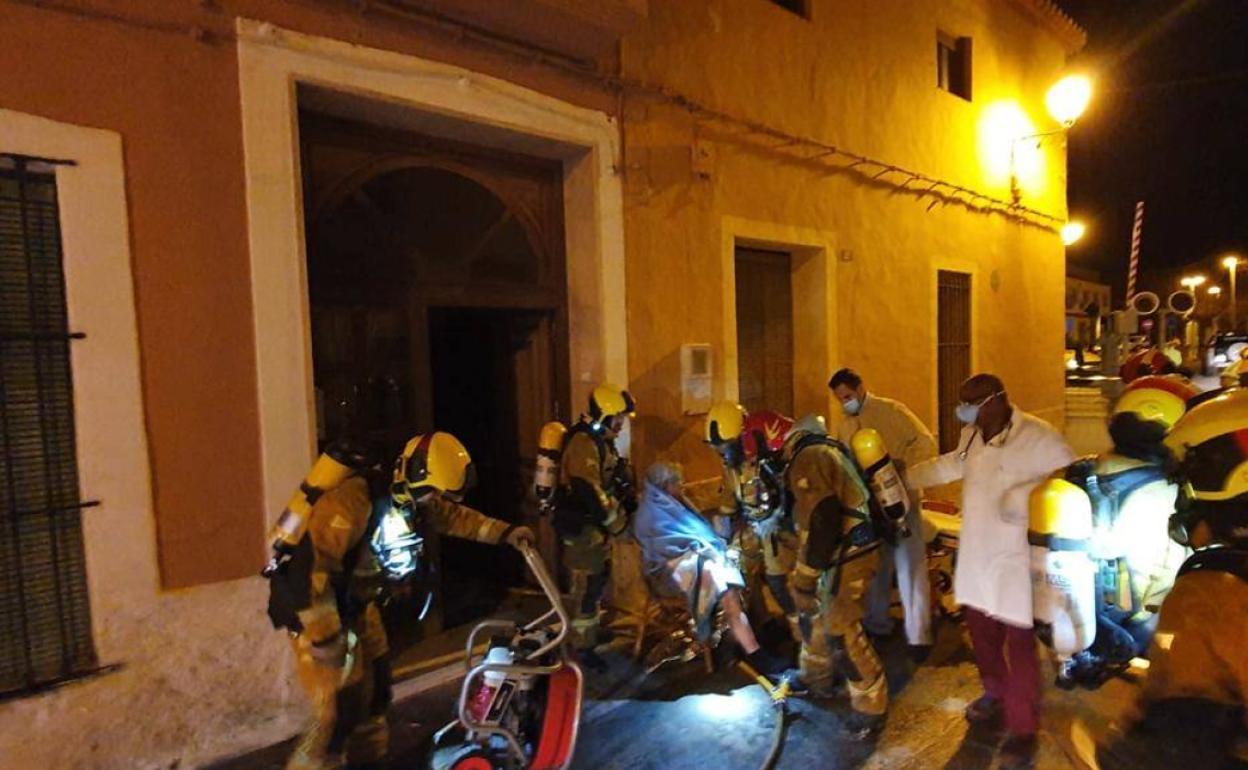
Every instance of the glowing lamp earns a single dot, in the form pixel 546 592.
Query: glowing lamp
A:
pixel 1230 262
pixel 1072 231
pixel 1215 290
pixel 1068 98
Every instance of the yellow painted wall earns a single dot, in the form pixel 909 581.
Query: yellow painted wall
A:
pixel 861 76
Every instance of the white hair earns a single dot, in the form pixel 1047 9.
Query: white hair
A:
pixel 663 472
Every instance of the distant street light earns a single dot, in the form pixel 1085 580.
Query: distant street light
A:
pixel 1072 231
pixel 1066 100
pixel 1231 263
pixel 1190 282
pixel 1214 290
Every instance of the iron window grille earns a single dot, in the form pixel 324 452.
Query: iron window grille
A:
pixel 953 350
pixel 45 617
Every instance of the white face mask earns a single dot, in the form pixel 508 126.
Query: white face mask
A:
pixel 852 406
pixel 969 413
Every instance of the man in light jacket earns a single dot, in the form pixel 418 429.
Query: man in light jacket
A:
pixel 1002 454
pixel 909 442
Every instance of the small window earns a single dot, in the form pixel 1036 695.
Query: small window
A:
pixel 45 618
pixel 800 7
pixel 953 65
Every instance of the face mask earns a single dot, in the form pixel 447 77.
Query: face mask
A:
pixel 852 406
pixel 967 413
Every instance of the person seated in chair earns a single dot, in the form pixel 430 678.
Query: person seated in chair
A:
pixel 683 555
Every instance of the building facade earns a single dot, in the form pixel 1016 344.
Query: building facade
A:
pixel 277 221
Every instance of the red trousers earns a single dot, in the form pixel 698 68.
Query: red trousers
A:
pixel 1009 669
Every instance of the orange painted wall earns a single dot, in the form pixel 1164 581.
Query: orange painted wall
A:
pixel 134 66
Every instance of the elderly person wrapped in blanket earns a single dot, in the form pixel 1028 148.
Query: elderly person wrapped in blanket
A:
pixel 683 556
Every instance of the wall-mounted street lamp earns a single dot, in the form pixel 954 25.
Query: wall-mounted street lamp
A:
pixel 1066 100
pixel 1072 231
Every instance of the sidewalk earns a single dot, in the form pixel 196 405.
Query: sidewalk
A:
pixel 680 718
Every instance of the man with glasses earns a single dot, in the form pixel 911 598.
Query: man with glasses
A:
pixel 1002 454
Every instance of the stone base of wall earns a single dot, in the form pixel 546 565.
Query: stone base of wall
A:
pixel 204 676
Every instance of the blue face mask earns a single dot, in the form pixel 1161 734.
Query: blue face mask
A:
pixel 852 406
pixel 969 413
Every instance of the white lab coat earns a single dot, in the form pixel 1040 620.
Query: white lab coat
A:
pixel 993 572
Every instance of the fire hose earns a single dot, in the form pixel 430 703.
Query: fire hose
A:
pixel 779 695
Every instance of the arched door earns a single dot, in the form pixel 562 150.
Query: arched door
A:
pixel 437 297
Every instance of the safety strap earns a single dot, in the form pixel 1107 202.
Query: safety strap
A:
pixel 584 426
pixel 1125 482
pixel 820 439
pixel 1056 543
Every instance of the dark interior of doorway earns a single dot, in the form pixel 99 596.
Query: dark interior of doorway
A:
pixel 472 357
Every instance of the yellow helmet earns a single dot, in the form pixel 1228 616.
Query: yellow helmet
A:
pixel 1058 507
pixel 609 400
pixel 1211 444
pixel 724 423
pixel 432 462
pixel 1157 397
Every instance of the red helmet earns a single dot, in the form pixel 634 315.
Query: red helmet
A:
pixel 1145 362
pixel 764 433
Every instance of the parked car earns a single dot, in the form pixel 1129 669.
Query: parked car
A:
pixel 1223 350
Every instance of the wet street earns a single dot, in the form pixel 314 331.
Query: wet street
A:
pixel 681 718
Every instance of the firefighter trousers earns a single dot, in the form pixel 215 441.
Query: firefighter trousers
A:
pixel 348 704
pixel 835 642
pixel 586 561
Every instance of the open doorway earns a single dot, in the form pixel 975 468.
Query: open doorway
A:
pixel 437 299
pixel 482 362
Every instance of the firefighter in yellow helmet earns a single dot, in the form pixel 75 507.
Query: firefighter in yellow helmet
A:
pixel 1191 712
pixel 836 560
pixel 751 502
pixel 1132 499
pixel 596 495
pixel 338 637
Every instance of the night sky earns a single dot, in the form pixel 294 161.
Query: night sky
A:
pixel 1168 124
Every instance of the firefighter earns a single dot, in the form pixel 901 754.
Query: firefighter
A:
pixel 339 640
pixel 1131 500
pixel 1192 707
pixel 836 561
pixel 596 496
pixel 751 496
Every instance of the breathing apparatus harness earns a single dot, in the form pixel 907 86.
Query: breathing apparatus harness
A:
pixel 828 545
pixel 577 504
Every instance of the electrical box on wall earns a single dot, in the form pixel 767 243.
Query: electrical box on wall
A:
pixel 695 378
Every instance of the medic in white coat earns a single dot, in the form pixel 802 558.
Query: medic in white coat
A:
pixel 993 572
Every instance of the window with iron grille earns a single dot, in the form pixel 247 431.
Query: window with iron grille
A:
pixel 953 349
pixel 45 620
